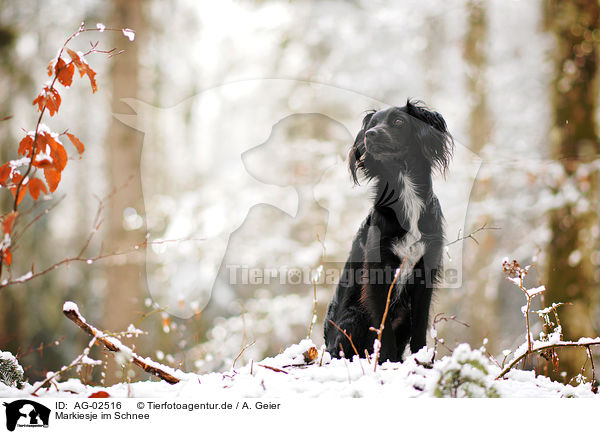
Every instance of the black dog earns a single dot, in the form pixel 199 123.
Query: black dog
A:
pixel 399 148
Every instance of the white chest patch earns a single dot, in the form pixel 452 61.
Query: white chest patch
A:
pixel 410 246
pixel 413 207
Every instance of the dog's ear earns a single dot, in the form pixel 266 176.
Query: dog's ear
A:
pixel 357 150
pixel 432 135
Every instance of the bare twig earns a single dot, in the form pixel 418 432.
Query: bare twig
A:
pixel 242 352
pixel 96 224
pixel 17 234
pixel 590 355
pixel 471 235
pixel 113 344
pixel 349 337
pixel 88 260
pixel 439 317
pixel 515 274
pixel 79 361
pixel 39 349
pixel 273 368
pixel 313 319
pixel 385 313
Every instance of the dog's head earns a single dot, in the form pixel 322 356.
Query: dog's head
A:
pixel 411 136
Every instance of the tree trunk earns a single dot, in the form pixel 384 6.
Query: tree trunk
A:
pixel 482 312
pixel 125 275
pixel 571 269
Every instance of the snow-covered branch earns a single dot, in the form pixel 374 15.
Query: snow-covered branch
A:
pixel 166 373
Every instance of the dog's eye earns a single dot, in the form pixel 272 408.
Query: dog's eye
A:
pixel 398 122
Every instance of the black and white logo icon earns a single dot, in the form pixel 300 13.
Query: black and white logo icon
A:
pixel 26 413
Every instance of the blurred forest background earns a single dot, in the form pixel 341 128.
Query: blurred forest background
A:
pixel 206 137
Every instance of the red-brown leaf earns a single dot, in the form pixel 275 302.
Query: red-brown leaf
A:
pixel 7 257
pixel 100 394
pixel 83 68
pixel 64 72
pixel 7 222
pixel 36 186
pixel 59 155
pixel 52 178
pixel 22 191
pixel 55 98
pixel 26 145
pixel 75 58
pixel 48 98
pixel 57 150
pixel 43 163
pixel 76 142
pixel 4 172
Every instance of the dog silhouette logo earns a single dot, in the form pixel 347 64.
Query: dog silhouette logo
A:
pixel 26 413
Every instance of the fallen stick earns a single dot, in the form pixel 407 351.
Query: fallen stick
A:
pixel 71 311
pixel 273 368
pixel 587 343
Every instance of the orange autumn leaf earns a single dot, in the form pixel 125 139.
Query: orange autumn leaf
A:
pixel 43 162
pixel 42 158
pixel 48 98
pixel 50 68
pixel 22 191
pixel 76 142
pixel 59 156
pixel 83 68
pixel 64 72
pixel 7 257
pixel 36 186
pixel 16 178
pixel 7 222
pixel 57 151
pixel 52 178
pixel 100 394
pixel 26 145
pixel 4 172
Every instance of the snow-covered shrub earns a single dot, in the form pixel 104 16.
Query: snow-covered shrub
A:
pixel 11 372
pixel 465 374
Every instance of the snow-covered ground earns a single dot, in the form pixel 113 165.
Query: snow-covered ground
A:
pixel 467 372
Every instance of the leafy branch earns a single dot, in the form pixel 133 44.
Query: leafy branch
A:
pixel 41 149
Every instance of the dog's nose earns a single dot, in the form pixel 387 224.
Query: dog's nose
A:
pixel 371 133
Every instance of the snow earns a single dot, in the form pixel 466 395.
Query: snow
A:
pixel 69 306
pixel 19 162
pixel 589 340
pixel 130 34
pixel 535 291
pixel 287 375
pixel 85 360
pixel 24 277
pixel 515 280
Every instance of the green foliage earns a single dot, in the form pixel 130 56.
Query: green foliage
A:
pixel 11 372
pixel 464 375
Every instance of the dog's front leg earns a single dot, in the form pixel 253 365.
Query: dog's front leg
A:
pixel 377 278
